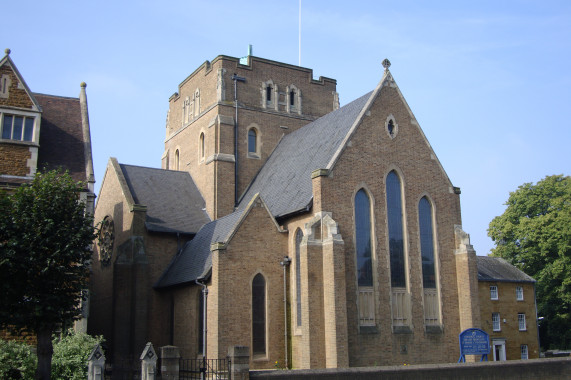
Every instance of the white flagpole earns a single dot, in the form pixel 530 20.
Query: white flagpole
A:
pixel 299 33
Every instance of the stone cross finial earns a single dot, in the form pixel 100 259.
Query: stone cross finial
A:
pixel 7 51
pixel 386 64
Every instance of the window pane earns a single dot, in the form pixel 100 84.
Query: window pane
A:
pixel 259 314
pixel 7 127
pixel 298 238
pixel 519 293
pixel 426 243
pixel 396 239
pixel 251 141
pixel 524 354
pixel 17 130
pixel 496 321
pixel 28 129
pixel 363 238
pixel 493 292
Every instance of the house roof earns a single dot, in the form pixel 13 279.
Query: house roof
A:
pixel 61 126
pixel 497 269
pixel 173 201
pixel 284 182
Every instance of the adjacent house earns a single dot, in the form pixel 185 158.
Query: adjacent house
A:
pixel 508 309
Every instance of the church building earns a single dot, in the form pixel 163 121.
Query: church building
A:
pixel 318 236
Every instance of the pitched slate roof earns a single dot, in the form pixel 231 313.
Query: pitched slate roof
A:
pixel 194 261
pixel 62 142
pixel 173 201
pixel 498 269
pixel 284 182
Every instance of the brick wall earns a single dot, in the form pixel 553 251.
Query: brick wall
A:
pixel 15 159
pixel 18 96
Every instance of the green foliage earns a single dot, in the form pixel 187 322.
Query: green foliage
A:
pixel 17 361
pixel 534 234
pixel 69 360
pixel 45 252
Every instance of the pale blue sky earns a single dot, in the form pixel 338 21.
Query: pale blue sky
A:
pixel 488 81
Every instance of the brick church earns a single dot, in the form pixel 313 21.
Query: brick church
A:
pixel 312 234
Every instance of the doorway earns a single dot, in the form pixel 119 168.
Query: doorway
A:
pixel 499 349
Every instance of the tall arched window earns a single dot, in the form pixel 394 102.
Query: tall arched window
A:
pixel 298 238
pixel 363 238
pixel 252 141
pixel 426 243
pixel 259 315
pixel 428 254
pixel 363 251
pixel 396 234
pixel 201 146
pixel 176 160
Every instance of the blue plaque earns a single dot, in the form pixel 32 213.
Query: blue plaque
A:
pixel 474 342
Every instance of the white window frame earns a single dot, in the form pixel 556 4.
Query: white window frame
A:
pixel 519 293
pixel 496 322
pixel 524 352
pixel 494 292
pixel 521 322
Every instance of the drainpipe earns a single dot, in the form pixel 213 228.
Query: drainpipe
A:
pixel 285 263
pixel 204 329
pixel 236 79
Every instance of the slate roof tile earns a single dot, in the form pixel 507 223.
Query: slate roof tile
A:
pixel 497 269
pixel 174 203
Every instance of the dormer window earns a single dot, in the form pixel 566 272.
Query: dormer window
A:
pixel 19 128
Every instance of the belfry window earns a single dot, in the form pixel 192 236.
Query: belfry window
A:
pixel 298 239
pixel 396 234
pixel 259 315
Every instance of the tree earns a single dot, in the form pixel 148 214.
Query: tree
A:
pixel 534 234
pixel 45 239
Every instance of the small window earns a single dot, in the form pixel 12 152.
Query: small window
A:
pixel 18 128
pixel 269 93
pixel 391 128
pixel 493 292
pixel 524 352
pixel 201 146
pixel 496 322
pixel 521 322
pixel 252 141
pixel 176 160
pixel 519 293
pixel 292 98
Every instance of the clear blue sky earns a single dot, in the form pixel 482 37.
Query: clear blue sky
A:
pixel 489 81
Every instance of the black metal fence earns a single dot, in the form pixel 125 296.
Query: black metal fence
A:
pixel 211 369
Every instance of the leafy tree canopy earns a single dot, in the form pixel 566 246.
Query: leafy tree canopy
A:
pixel 45 238
pixel 534 234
